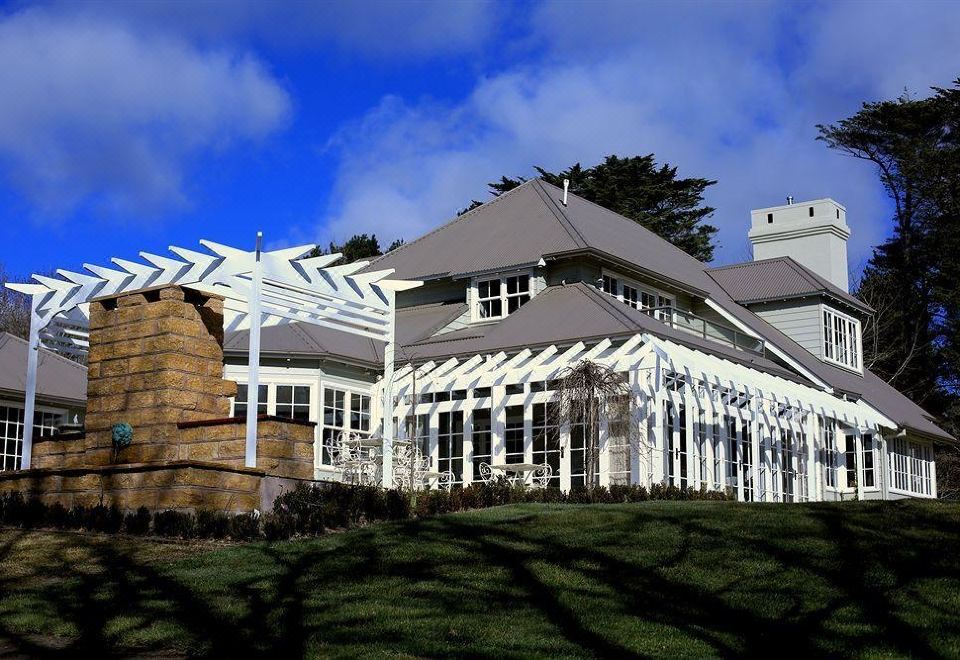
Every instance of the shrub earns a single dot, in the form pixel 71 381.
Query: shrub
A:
pixel 137 523
pixel 212 524
pixel 176 524
pixel 278 526
pixel 245 527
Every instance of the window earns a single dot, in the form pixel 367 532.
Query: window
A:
pixel 911 466
pixel 450 440
pixel 240 402
pixel 546 438
pixel 828 440
pixel 811 211
pixel 481 440
pixel 418 430
pixel 850 462
pixel 841 339
pixel 631 293
pixel 513 434
pixel 618 439
pixel 869 479
pixel 293 401
pixel 490 304
pixel 500 296
pixel 769 218
pixel 336 422
pixel 11 433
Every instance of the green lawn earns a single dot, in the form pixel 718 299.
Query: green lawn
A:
pixel 652 579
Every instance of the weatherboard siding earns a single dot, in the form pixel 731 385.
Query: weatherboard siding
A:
pixel 799 320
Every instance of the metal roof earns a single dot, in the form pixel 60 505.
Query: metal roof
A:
pixel 780 278
pixel 59 380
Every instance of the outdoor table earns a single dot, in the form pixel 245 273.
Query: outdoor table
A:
pixel 519 470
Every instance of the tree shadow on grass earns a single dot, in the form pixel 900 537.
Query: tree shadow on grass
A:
pixel 520 584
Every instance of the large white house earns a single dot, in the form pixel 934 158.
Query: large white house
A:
pixel 747 378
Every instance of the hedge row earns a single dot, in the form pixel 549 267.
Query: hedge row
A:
pixel 313 510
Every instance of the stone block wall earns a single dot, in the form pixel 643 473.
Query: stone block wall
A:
pixel 178 485
pixel 156 362
pixel 156 359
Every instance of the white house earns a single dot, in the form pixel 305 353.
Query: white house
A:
pixel 746 377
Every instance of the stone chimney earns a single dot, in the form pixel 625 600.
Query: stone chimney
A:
pixel 813 233
pixel 156 359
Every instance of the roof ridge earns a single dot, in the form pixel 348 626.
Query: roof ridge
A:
pixel 308 338
pixel 450 223
pixel 747 264
pixel 606 302
pixel 633 222
pixel 560 215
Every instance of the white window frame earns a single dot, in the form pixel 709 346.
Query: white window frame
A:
pixel 46 413
pixel 504 297
pixel 635 298
pixel 849 345
pixel 349 394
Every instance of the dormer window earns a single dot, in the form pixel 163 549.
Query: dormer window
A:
pixel 841 339
pixel 499 296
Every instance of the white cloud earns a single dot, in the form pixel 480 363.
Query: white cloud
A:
pixel 374 28
pixel 94 114
pixel 722 92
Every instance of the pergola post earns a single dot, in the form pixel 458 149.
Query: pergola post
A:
pixel 30 394
pixel 253 358
pixel 388 359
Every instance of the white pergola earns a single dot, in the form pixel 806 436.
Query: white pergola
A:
pixel 260 288
pixel 663 376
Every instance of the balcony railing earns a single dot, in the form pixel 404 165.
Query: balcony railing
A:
pixel 706 329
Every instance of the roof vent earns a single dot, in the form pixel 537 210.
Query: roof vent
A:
pixel 566 187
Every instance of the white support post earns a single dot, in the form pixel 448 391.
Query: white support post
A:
pixel 30 395
pixel 387 408
pixel 253 358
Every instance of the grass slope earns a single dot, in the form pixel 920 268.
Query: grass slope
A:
pixel 652 579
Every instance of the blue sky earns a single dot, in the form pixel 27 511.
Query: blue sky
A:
pixel 129 127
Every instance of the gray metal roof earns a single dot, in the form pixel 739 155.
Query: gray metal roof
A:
pixel 530 223
pixel 780 278
pixel 304 339
pixel 565 314
pixel 59 380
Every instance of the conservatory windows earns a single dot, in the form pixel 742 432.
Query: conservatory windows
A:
pixel 911 465
pixel 546 438
pixel 869 477
pixel 337 421
pixel 499 296
pixel 482 441
pixel 513 434
pixel 450 441
pixel 841 339
pixel 11 432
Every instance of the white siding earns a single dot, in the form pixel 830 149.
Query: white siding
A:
pixel 799 320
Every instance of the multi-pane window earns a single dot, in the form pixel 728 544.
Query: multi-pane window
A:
pixel 631 293
pixel 489 301
pixel 336 421
pixel 11 433
pixel 450 441
pixel 240 402
pixel 293 401
pixel 481 440
pixel 911 466
pixel 869 478
pixel 841 338
pixel 675 434
pixel 546 438
pixel 618 439
pixel 828 440
pixel 850 461
pixel 418 430
pixel 500 296
pixel 513 434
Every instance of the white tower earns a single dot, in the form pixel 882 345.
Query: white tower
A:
pixel 813 233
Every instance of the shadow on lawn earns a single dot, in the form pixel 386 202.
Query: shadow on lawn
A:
pixel 701 584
